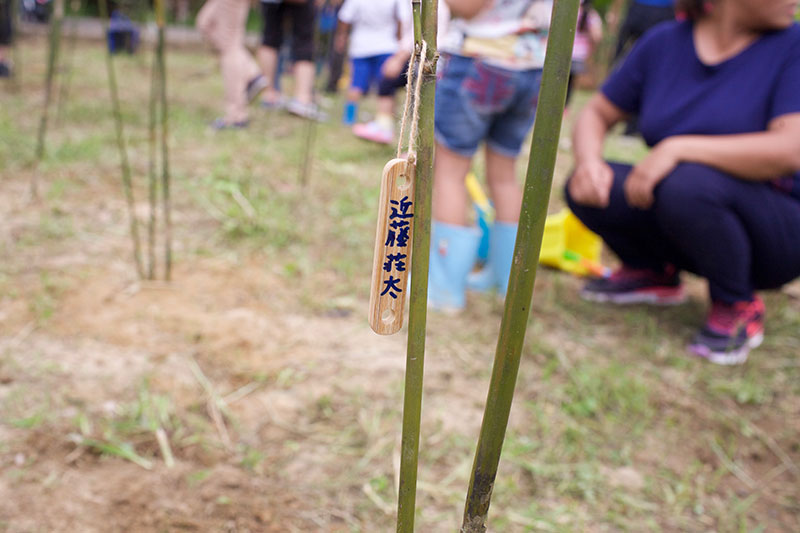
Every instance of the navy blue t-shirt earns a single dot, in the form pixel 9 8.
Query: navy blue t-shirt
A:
pixel 674 93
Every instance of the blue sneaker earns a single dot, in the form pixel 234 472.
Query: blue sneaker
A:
pixel 453 252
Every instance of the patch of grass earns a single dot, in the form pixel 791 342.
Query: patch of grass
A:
pixel 609 392
pixel 29 422
pixel 745 390
pixel 44 300
pixel 124 431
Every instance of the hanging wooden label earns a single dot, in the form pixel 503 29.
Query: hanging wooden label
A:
pixel 391 263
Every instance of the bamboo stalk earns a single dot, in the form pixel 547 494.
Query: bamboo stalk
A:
pixel 52 61
pixel 311 132
pixel 538 184
pixel 165 173
pixel 311 135
pixel 425 18
pixel 127 184
pixel 152 179
pixel 67 64
pixel 16 79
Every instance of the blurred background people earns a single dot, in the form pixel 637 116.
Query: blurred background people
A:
pixel 222 22
pixel 277 14
pixel 719 192
pixel 334 59
pixel 6 35
pixel 373 28
pixel 588 34
pixel 641 16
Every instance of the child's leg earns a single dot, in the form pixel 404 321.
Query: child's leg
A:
pixel 381 130
pixel 222 21
pixel 351 106
pixel 354 94
pixel 359 84
pixel 387 89
pixel 5 34
pixel 511 96
pixel 449 192
pixel 303 51
pixel 454 244
pixel 503 186
pixel 267 54
pixel 304 81
pixel 459 130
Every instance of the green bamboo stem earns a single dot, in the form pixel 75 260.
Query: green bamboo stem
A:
pixel 311 131
pixel 152 179
pixel 425 26
pixel 52 61
pixel 16 78
pixel 538 184
pixel 305 168
pixel 166 198
pixel 67 64
pixel 127 183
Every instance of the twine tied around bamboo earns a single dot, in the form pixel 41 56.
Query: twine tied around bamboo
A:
pixel 411 107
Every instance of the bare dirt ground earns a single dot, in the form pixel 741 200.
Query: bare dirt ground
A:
pixel 249 395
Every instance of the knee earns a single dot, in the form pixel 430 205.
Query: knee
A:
pixel 689 192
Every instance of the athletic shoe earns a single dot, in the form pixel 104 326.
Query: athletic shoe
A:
pixel 222 124
pixel 255 86
pixel 730 332
pixel 372 131
pixel 309 111
pixel 273 105
pixel 635 286
pixel 5 70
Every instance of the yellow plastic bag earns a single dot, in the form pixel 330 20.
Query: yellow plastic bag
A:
pixel 570 246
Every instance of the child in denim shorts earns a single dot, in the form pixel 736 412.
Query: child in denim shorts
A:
pixel 490 72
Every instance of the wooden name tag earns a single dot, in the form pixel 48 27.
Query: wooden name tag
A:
pixel 392 260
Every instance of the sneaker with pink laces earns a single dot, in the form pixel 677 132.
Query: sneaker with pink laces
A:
pixel 372 131
pixel 730 332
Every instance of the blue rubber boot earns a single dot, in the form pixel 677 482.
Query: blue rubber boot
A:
pixel 350 113
pixel 501 253
pixel 486 229
pixel 494 275
pixel 453 253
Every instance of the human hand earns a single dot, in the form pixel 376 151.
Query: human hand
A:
pixel 393 66
pixel 591 182
pixel 642 180
pixel 537 17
